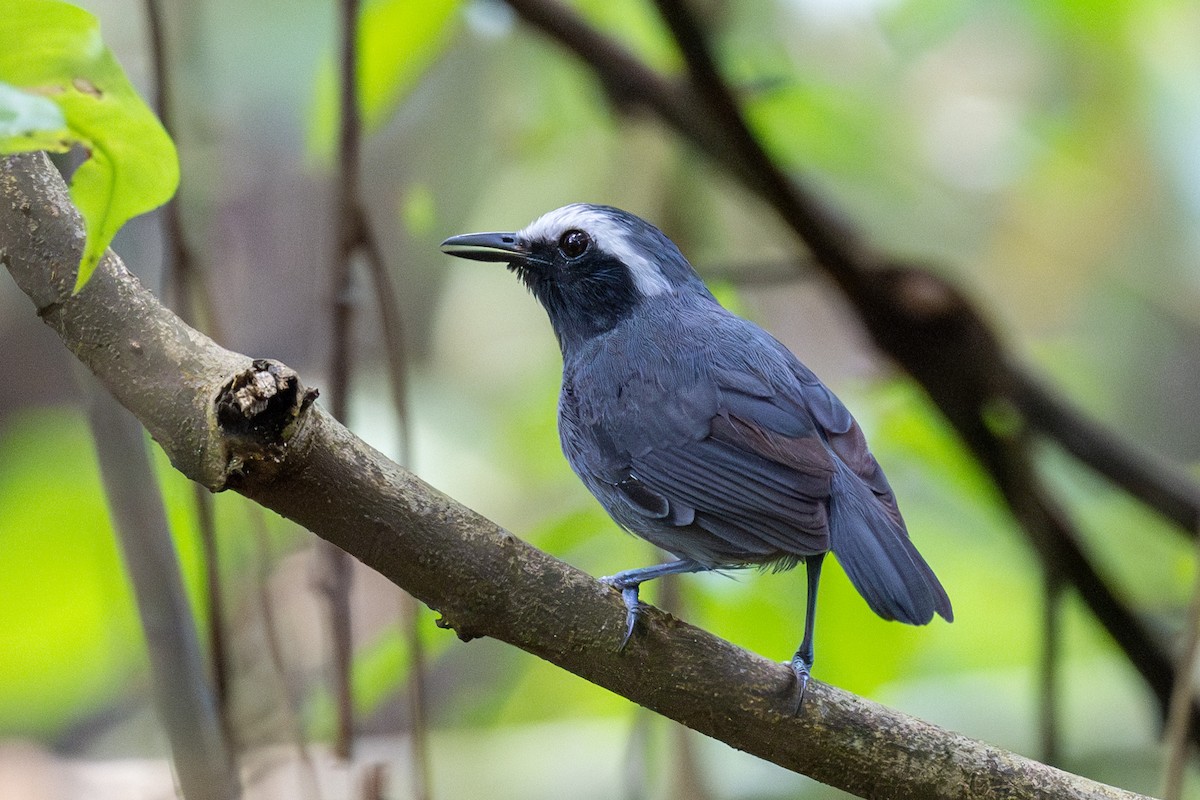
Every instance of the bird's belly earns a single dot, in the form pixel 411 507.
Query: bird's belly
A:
pixel 714 551
pixel 704 538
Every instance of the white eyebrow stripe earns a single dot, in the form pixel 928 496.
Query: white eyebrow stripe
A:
pixel 608 235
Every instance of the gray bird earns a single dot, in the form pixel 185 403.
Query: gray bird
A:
pixel 697 430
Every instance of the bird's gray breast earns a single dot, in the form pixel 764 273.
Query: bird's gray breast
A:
pixel 624 398
pixel 630 392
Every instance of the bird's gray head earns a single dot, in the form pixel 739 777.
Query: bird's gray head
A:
pixel 590 266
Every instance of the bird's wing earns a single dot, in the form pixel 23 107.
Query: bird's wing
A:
pixel 843 435
pixel 742 461
pixel 867 533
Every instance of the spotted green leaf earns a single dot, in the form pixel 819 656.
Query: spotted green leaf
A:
pixel 53 53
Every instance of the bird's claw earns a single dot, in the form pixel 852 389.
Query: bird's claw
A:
pixel 633 607
pixel 800 669
pixel 633 610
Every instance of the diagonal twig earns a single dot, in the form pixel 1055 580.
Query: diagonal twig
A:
pixel 832 244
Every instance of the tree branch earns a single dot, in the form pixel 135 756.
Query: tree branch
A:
pixel 833 245
pixel 1152 479
pixel 232 423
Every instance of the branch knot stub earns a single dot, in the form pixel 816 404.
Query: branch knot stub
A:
pixel 258 411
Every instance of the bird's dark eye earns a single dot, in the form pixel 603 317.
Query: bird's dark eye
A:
pixel 574 243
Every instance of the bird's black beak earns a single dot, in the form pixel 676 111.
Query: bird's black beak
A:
pixel 486 247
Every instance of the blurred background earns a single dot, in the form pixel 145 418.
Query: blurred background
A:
pixel 1042 155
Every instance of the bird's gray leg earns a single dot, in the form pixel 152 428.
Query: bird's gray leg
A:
pixel 803 660
pixel 627 584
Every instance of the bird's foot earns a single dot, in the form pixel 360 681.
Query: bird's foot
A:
pixel 800 669
pixel 633 606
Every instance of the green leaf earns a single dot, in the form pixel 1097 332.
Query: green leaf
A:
pixel 53 51
pixel 397 41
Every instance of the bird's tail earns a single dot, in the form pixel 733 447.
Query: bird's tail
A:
pixel 872 545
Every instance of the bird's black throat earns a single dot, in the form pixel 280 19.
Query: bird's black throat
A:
pixel 583 297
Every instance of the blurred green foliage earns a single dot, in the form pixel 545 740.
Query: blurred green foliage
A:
pixel 66 598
